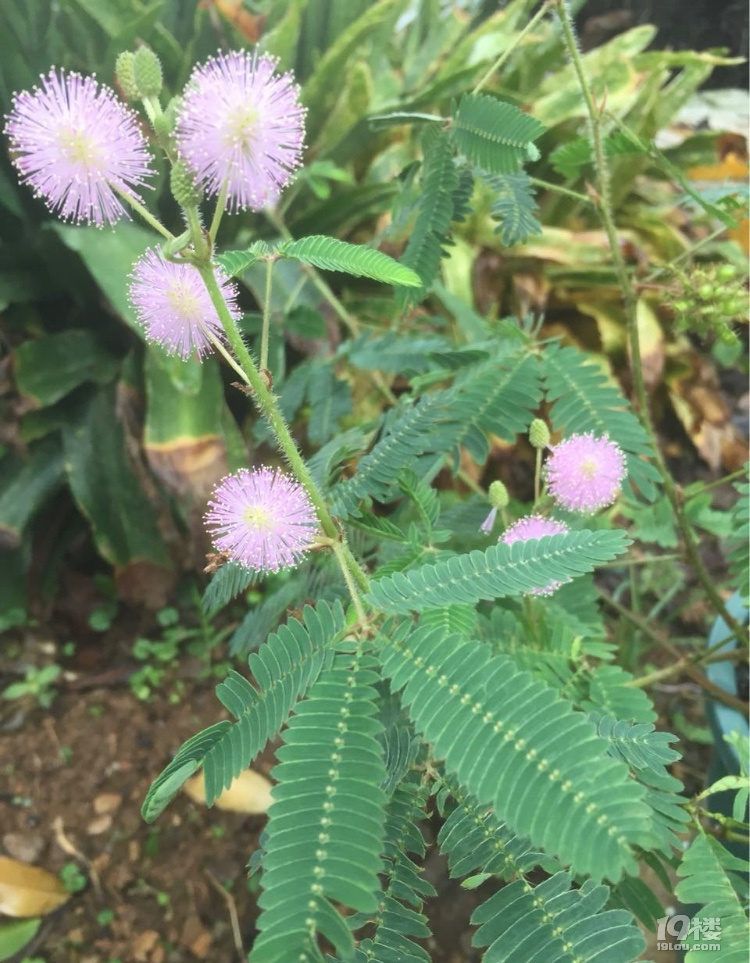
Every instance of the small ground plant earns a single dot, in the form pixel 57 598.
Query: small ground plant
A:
pixel 443 651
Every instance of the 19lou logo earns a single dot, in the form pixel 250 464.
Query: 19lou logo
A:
pixel 679 932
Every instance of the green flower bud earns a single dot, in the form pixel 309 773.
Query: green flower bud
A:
pixel 727 272
pixel 539 434
pixel 182 183
pixel 706 292
pixel 498 495
pixel 147 72
pixel 681 306
pixel 125 74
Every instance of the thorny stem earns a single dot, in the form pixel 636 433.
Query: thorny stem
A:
pixel 509 50
pixel 688 664
pixel 266 315
pixel 630 302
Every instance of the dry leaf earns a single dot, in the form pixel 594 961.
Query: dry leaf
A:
pixel 107 802
pixel 27 890
pixel 249 793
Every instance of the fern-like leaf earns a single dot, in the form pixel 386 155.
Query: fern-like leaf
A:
pixel 326 824
pixel 637 744
pixel 739 548
pixel 554 921
pixel 400 914
pixel 231 580
pixel 331 254
pixel 710 877
pixel 568 159
pixel 235 263
pixel 421 428
pixel 513 744
pixel 188 759
pixel 501 570
pixel 494 135
pixel 582 400
pixel 475 841
pixel 514 207
pixel 429 235
pixel 498 398
pixel 284 666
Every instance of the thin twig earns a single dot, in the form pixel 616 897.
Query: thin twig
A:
pixel 233 917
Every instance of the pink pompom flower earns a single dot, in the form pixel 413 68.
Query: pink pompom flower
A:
pixel 173 305
pixel 241 127
pixel 584 473
pixel 534 526
pixel 77 146
pixel 262 519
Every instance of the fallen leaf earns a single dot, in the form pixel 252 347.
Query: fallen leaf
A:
pixel 143 945
pixel 249 793
pixel 27 890
pixel 26 847
pixel 101 824
pixel 107 802
pixel 14 936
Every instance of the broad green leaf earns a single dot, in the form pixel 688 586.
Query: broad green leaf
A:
pixel 26 484
pixel 46 369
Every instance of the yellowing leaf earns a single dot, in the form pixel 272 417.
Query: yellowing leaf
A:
pixel 27 890
pixel 249 793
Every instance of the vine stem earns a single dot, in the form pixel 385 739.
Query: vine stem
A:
pixel 539 15
pixel 604 206
pixel 266 315
pixel 558 189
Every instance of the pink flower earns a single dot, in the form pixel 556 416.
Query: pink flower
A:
pixel 241 125
pixel 262 519
pixel 78 146
pixel 534 526
pixel 173 305
pixel 584 473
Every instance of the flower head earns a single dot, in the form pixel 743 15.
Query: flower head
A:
pixel 584 473
pixel 77 146
pixel 534 526
pixel 261 519
pixel 241 125
pixel 173 305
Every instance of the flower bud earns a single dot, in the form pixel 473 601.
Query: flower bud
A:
pixel 727 272
pixel 498 495
pixel 125 74
pixel 706 291
pixel 147 72
pixel 183 186
pixel 539 434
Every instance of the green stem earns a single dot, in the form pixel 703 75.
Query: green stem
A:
pixel 558 189
pixel 266 315
pixel 338 551
pixel 221 203
pixel 509 50
pixel 200 244
pixel 269 408
pixel 538 476
pixel 147 216
pixel 631 306
pixel 686 255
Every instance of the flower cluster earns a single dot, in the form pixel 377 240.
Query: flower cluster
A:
pixel 172 304
pixel 78 147
pixel 584 473
pixel 240 128
pixel 261 519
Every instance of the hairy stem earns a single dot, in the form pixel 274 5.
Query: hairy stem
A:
pixel 147 216
pixel 266 315
pixel 269 408
pixel 221 203
pixel 630 300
